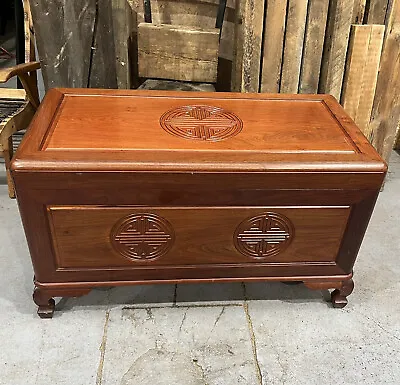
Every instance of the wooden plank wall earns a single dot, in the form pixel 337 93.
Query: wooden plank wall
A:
pixel 83 43
pixel 386 109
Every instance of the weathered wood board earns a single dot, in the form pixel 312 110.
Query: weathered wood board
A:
pixel 103 69
pixel 313 46
pixel 198 13
pixel 66 56
pixel 123 27
pixel 238 36
pixel 294 42
pixel 252 16
pixel 274 32
pixel 386 110
pixel 376 11
pixel 179 53
pixel 355 66
pixel 340 16
pixel 369 78
pixel 77 44
pixel 359 11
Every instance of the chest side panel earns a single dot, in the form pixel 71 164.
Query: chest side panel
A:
pixel 98 237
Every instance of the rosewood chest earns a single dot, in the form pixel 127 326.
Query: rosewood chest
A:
pixel 130 187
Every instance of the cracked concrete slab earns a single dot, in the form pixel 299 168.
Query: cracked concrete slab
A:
pixel 64 350
pixel 210 343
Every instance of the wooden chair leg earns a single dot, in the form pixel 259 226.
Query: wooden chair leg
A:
pixel 8 154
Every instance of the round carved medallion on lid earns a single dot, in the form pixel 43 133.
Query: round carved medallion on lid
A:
pixel 142 236
pixel 200 122
pixel 264 235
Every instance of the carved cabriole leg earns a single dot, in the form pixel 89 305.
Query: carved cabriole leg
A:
pixel 338 296
pixel 45 301
pixel 7 155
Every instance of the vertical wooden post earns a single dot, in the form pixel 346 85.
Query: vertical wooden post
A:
pixel 369 78
pixel 251 30
pixel 237 63
pixel 376 11
pixel 359 11
pixel 77 42
pixel 123 34
pixel 356 62
pixel 274 32
pixel 340 16
pixel 64 33
pixel 294 42
pixel 313 46
pixel 103 69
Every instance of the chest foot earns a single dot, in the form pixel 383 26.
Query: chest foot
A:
pixel 339 296
pixel 45 303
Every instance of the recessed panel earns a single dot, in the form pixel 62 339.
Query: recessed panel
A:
pixel 106 237
pixel 220 125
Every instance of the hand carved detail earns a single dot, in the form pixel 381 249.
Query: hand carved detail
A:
pixel 198 122
pixel 265 235
pixel 142 236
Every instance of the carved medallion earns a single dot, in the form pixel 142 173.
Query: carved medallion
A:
pixel 264 235
pixel 142 236
pixel 201 123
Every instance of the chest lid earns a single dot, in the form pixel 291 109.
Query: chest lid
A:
pixel 82 129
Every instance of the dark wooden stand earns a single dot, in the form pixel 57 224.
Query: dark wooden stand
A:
pixel 339 296
pixel 44 298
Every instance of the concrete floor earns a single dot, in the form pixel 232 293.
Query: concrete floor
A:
pixel 207 334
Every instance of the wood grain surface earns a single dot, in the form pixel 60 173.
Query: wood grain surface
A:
pixel 359 11
pixel 273 39
pixel 369 79
pixel 293 49
pixel 250 34
pixel 313 46
pixel 356 62
pixel 376 11
pixel 82 235
pixel 335 47
pixel 318 134
pixel 76 43
pixel 178 52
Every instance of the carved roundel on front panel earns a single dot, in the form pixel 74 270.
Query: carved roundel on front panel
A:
pixel 142 236
pixel 198 122
pixel 264 235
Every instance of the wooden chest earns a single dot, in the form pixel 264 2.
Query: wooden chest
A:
pixel 128 187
